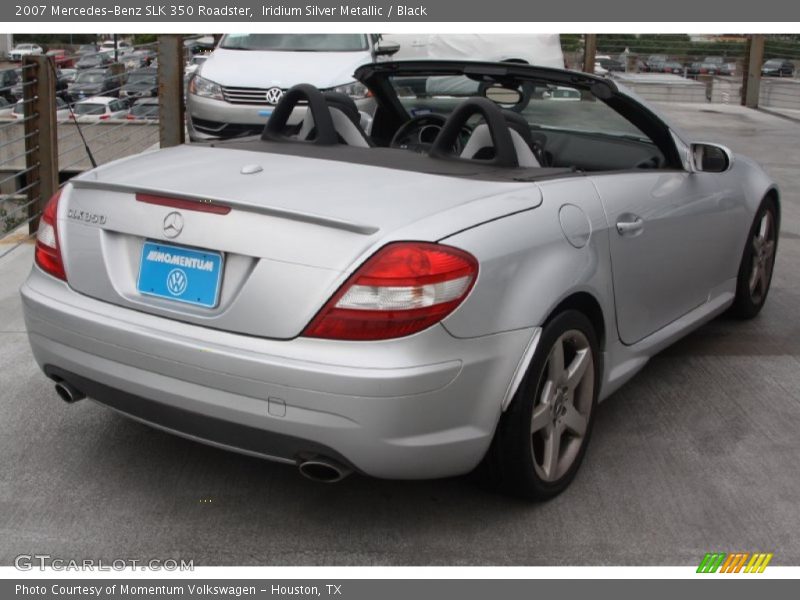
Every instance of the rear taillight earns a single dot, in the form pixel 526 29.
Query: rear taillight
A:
pixel 403 288
pixel 48 253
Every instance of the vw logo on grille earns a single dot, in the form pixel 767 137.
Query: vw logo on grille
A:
pixel 173 224
pixel 274 95
pixel 177 282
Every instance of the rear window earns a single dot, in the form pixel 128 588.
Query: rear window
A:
pixel 89 108
pixel 86 77
pixel 308 42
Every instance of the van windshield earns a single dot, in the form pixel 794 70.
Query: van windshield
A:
pixel 309 42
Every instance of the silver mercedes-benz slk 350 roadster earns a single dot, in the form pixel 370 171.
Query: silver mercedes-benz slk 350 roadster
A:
pixel 454 287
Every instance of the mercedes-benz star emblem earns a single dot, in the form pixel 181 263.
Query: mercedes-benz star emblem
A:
pixel 274 95
pixel 173 224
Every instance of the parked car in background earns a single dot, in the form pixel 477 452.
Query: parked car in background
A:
pixel 144 109
pixel 9 80
pixel 95 82
pixel 139 59
pixel 99 108
pixel 123 48
pixel 21 50
pixel 87 49
pixel 140 83
pixel 777 67
pixel 94 61
pixel 719 65
pixel 68 75
pixel 237 87
pixel 62 58
pixel 611 65
pixel 654 61
pixel 703 68
pixel 671 66
pixel 62 109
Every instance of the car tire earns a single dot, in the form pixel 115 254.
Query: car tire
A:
pixel 542 437
pixel 758 262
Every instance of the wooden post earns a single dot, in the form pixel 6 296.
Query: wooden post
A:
pixel 41 134
pixel 589 52
pixel 170 90
pixel 751 76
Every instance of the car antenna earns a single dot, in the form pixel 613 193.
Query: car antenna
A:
pixel 74 118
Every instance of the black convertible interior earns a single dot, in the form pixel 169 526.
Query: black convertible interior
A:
pixel 478 120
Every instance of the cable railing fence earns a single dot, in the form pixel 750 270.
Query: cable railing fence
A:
pixel 755 70
pixel 69 111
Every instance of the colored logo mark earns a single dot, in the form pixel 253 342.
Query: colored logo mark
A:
pixel 736 562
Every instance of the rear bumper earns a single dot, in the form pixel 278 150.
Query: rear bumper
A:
pixel 419 407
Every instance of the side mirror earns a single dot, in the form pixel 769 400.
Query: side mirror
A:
pixel 386 48
pixel 711 158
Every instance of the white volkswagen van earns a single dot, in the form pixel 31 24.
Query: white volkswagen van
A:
pixel 234 92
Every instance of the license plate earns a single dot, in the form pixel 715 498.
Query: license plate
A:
pixel 181 274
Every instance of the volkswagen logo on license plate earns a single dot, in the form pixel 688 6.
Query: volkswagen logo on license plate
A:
pixel 177 282
pixel 274 95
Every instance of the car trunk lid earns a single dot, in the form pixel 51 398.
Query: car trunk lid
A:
pixel 290 230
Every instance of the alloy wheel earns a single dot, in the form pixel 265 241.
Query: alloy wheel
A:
pixel 563 405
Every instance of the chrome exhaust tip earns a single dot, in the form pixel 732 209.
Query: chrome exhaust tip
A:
pixel 68 393
pixel 323 470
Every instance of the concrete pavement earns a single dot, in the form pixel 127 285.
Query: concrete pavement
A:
pixel 698 453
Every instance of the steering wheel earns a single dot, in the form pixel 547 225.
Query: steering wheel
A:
pixel 317 106
pixel 504 156
pixel 417 134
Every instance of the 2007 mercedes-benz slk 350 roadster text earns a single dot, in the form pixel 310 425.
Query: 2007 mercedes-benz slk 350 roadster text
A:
pixel 457 286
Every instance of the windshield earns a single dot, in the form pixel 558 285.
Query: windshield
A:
pixel 87 77
pixel 142 78
pixel 89 108
pixel 306 42
pixel 543 106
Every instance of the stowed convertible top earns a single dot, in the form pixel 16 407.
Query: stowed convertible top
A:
pixel 396 158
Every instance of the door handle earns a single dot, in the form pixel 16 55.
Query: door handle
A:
pixel 630 225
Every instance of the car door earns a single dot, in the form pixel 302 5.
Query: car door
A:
pixel 670 238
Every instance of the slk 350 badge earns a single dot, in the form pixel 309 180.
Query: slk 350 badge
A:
pixel 86 217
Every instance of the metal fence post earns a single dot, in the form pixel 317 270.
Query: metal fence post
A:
pixel 170 90
pixel 589 52
pixel 41 134
pixel 751 80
